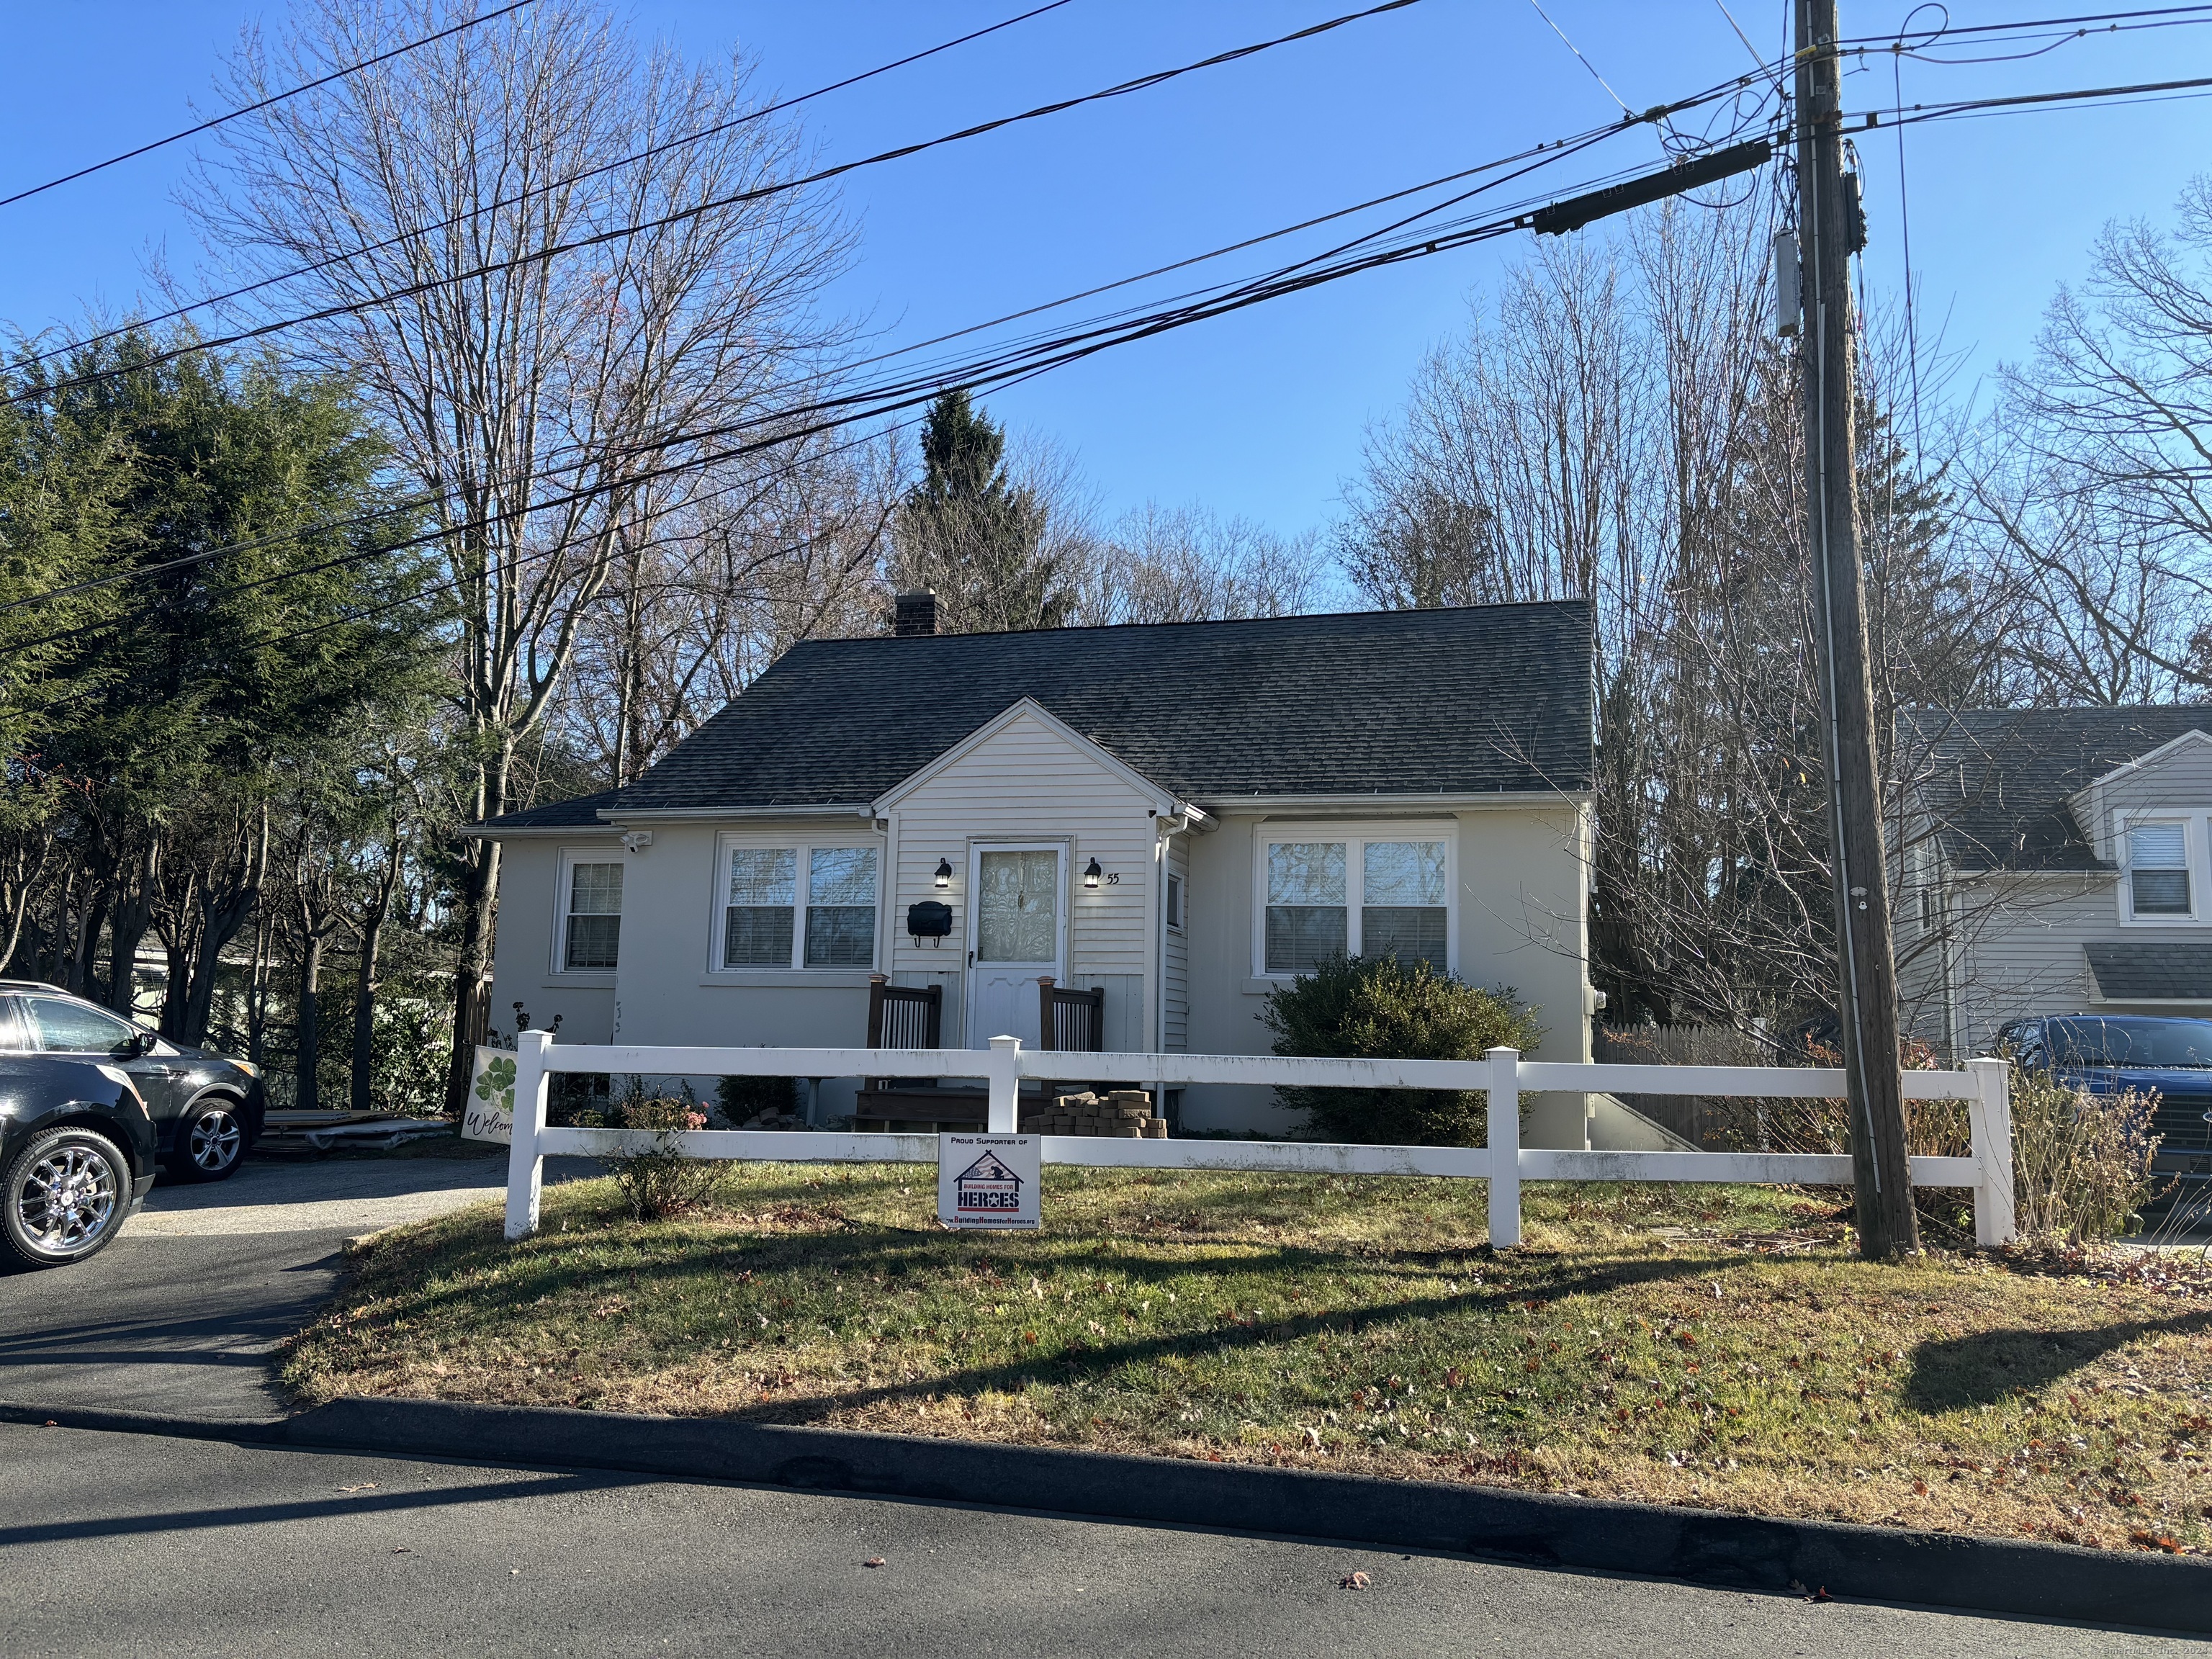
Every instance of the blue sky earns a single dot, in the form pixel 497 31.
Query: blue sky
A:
pixel 1261 413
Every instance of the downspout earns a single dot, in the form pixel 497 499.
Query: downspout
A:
pixel 1164 828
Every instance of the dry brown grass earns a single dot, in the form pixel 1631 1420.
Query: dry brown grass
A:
pixel 1710 1347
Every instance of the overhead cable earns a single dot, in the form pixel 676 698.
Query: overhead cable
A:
pixel 744 197
pixel 249 109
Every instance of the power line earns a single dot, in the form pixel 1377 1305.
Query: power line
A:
pixel 1918 113
pixel 1010 369
pixel 208 301
pixel 1856 42
pixel 309 85
pixel 739 198
pixel 1544 153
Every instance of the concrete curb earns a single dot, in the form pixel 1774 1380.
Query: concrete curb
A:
pixel 2046 1580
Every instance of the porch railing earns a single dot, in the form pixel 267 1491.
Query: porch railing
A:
pixel 1070 1021
pixel 904 1015
pixel 1502 1075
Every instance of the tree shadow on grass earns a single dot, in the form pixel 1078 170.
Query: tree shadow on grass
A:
pixel 1991 1366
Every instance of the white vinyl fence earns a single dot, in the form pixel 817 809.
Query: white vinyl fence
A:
pixel 1504 1162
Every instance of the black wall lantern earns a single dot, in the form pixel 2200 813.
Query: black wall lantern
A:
pixel 944 874
pixel 1090 873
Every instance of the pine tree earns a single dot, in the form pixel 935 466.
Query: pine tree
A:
pixel 975 536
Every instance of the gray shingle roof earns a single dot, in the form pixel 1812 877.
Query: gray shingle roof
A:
pixel 560 814
pixel 1997 780
pixel 2151 973
pixel 1483 700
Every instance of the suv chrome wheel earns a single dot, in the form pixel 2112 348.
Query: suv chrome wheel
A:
pixel 66 1201
pixel 213 1139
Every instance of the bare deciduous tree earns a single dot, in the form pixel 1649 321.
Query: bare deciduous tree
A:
pixel 447 207
pixel 1161 564
pixel 1622 426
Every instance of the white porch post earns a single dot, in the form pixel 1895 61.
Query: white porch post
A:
pixel 1990 1112
pixel 526 1167
pixel 1504 1138
pixel 1003 1073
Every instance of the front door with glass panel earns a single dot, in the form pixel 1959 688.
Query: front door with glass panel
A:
pixel 1018 932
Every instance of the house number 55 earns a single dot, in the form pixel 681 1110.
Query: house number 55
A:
pixel 1113 879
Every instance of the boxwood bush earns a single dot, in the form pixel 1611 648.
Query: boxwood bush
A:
pixel 1381 1008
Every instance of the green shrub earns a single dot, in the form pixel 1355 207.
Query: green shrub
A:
pixel 658 1181
pixel 742 1098
pixel 1378 1008
pixel 2081 1162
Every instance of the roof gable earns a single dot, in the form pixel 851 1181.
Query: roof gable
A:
pixel 1026 710
pixel 2001 784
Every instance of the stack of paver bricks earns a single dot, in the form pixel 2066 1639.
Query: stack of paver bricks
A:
pixel 1127 1113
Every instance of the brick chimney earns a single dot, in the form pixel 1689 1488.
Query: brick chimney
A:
pixel 914 613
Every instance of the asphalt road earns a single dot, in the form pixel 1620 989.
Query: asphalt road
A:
pixel 121 1543
pixel 179 1313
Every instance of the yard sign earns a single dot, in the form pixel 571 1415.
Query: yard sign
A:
pixel 490 1115
pixel 987 1181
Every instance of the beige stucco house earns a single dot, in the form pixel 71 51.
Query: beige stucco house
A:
pixel 1181 816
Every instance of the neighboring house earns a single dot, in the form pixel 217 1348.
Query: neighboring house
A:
pixel 2055 861
pixel 1183 815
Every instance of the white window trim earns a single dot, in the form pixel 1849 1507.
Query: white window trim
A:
pixel 802 846
pixel 1365 830
pixel 2194 845
pixel 563 887
pixel 1178 897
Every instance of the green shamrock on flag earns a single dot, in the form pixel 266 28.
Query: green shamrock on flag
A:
pixel 496 1084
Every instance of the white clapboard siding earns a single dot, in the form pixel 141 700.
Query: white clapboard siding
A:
pixel 1028 781
pixel 2019 939
pixel 2022 951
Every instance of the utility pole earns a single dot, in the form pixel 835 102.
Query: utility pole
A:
pixel 1829 221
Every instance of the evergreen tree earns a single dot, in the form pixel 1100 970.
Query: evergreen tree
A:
pixel 975 536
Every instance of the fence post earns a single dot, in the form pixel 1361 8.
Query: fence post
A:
pixel 1504 1138
pixel 525 1165
pixel 1990 1112
pixel 1005 1077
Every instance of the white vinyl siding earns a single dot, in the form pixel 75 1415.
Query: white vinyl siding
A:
pixel 1026 784
pixel 797 904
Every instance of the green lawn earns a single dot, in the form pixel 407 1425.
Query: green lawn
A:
pixel 1710 1345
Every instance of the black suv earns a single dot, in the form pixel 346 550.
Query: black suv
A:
pixel 77 1156
pixel 207 1110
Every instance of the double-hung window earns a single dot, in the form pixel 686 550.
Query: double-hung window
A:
pixel 591 914
pixel 2158 870
pixel 1379 892
pixel 807 905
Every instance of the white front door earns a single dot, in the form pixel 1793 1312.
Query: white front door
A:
pixel 1018 932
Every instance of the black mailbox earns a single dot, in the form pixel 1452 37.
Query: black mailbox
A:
pixel 929 919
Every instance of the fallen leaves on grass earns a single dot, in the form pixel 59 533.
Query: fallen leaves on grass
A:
pixel 1358 1325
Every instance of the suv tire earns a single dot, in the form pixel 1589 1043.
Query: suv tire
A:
pixel 211 1140
pixel 63 1198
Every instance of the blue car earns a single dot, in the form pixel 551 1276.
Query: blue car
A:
pixel 2112 1054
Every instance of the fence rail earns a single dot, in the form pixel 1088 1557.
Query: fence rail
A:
pixel 1502 1075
